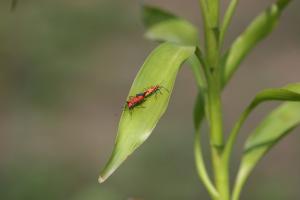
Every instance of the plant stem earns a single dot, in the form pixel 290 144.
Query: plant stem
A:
pixel 216 127
pixel 221 176
pixel 196 61
pixel 215 113
pixel 201 169
pixel 204 12
pixel 227 19
pixel 210 12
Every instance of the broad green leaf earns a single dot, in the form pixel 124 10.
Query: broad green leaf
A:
pixel 270 131
pixel 163 26
pixel 259 29
pixel 176 30
pixel 160 68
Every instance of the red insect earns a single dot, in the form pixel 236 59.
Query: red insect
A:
pixel 135 101
pixel 139 98
pixel 154 89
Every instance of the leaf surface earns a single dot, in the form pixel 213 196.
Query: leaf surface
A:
pixel 271 130
pixel 160 68
pixel 163 26
pixel 290 92
pixel 259 29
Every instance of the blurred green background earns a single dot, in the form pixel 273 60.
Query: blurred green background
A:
pixel 65 69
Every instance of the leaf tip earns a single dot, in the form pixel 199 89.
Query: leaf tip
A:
pixel 105 173
pixel 101 179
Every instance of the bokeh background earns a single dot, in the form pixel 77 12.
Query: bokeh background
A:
pixel 65 69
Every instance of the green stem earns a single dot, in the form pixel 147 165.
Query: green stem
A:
pixel 204 12
pixel 216 127
pixel 211 21
pixel 227 19
pixel 210 12
pixel 196 62
pixel 215 112
pixel 201 169
pixel 236 129
pixel 221 175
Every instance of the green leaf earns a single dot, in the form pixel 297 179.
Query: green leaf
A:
pixel 160 68
pixel 163 26
pixel 270 131
pixel 259 29
pixel 290 92
pixel 274 127
pixel 176 30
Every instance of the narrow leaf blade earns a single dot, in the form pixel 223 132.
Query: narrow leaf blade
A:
pixel 273 128
pixel 270 131
pixel 259 29
pixel 290 92
pixel 276 125
pixel 160 68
